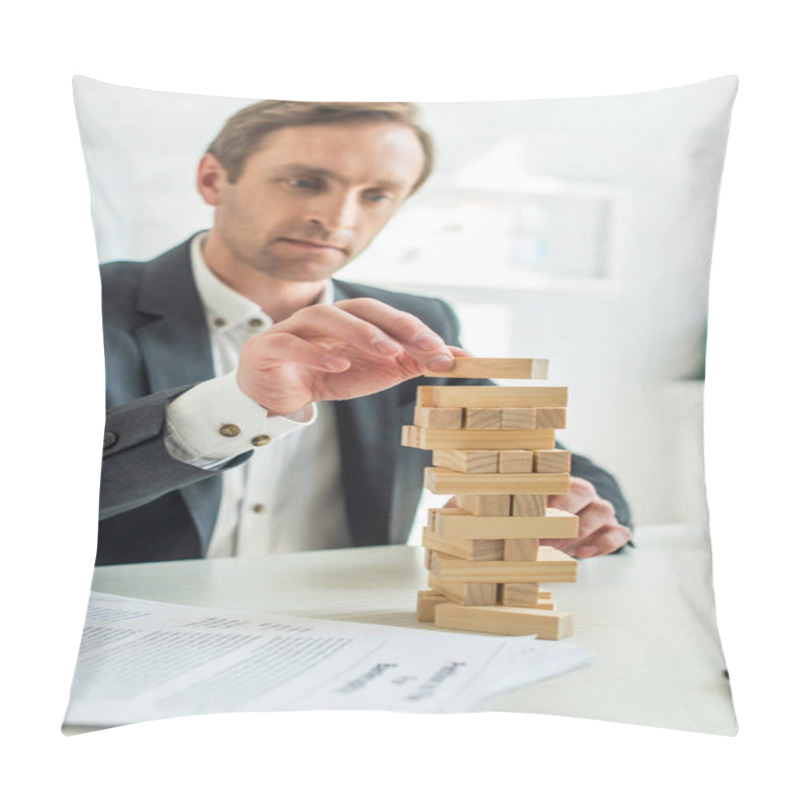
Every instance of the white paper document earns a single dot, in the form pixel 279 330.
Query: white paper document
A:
pixel 142 660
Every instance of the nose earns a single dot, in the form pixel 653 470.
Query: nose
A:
pixel 336 211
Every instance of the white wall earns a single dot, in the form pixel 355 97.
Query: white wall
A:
pixel 623 346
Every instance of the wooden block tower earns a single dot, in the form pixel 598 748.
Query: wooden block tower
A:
pixel 494 449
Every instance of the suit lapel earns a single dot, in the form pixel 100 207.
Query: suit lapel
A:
pixel 176 350
pixel 175 341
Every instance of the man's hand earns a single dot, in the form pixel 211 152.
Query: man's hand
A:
pixel 337 352
pixel 599 532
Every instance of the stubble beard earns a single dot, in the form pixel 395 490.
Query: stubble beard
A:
pixel 301 268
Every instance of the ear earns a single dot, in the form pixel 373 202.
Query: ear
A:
pixel 211 179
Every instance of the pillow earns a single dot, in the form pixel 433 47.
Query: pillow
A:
pixel 577 230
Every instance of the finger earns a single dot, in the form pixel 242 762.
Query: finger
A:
pixel 580 494
pixel 425 344
pixel 278 348
pixel 606 540
pixel 593 516
pixel 589 545
pixel 559 544
pixel 334 323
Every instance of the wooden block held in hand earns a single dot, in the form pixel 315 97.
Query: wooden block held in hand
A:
pixel 551 418
pixel 503 620
pixel 515 461
pixel 482 419
pixel 484 461
pixel 528 505
pixel 440 418
pixel 427 601
pixel 485 505
pixel 512 419
pixel 521 550
pixel 469 367
pixel 492 396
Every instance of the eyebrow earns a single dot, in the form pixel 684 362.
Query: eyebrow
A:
pixel 327 173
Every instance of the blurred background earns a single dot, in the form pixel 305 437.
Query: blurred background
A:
pixel 574 230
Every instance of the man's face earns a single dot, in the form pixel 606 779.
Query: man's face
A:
pixel 312 198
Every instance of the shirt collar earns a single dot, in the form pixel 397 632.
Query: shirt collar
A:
pixel 225 308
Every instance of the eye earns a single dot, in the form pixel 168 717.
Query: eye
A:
pixel 377 196
pixel 301 183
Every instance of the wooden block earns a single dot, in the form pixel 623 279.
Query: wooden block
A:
pixel 552 566
pixel 485 505
pixel 503 620
pixel 551 418
pixel 427 601
pixel 409 436
pixel 469 549
pixel 442 418
pixel 467 594
pixel 454 523
pixel 428 559
pixel 520 550
pixel 525 595
pixel 433 439
pixel 528 505
pixel 468 367
pixel 512 419
pixel 466 460
pixel 515 461
pixel 482 419
pixel 552 461
pixel 447 481
pixel 437 515
pixel 432 518
pixel 492 396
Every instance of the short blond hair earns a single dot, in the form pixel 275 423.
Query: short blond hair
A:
pixel 244 132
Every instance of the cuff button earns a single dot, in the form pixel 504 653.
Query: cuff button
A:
pixel 230 430
pixel 258 441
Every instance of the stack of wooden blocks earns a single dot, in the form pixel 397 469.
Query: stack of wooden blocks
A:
pixel 494 450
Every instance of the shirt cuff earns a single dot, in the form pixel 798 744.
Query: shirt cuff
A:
pixel 215 421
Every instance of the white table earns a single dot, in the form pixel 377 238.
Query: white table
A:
pixel 647 614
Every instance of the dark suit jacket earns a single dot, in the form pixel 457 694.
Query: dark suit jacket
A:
pixel 154 508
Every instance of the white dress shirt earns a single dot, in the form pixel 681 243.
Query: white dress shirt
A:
pixel 288 495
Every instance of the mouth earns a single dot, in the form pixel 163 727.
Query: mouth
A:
pixel 309 244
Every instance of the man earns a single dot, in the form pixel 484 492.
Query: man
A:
pixel 256 404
